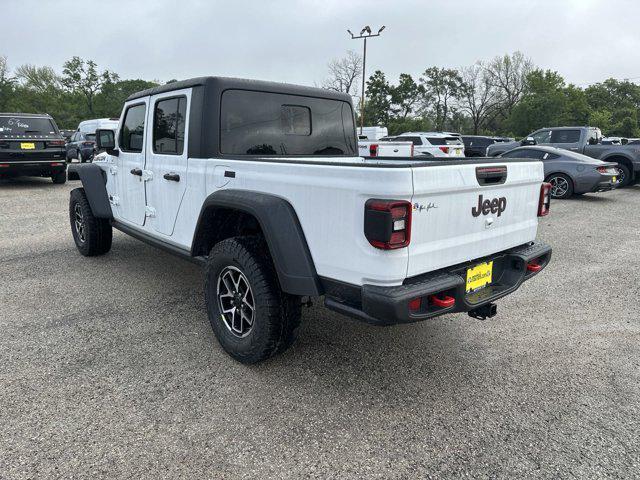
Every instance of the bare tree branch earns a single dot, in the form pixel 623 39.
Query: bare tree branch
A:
pixel 344 74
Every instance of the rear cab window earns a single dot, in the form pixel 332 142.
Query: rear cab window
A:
pixel 264 123
pixel 565 136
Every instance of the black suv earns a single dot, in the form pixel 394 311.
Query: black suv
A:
pixel 31 145
pixel 476 145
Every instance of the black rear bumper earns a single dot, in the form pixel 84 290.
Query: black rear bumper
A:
pixel 390 305
pixel 39 168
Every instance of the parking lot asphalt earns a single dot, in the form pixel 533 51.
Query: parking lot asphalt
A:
pixel 109 368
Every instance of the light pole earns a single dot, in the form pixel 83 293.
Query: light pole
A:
pixel 366 30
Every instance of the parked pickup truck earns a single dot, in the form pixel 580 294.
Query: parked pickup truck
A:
pixel 261 183
pixel 385 147
pixel 585 140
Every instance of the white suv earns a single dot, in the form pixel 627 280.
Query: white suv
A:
pixel 434 144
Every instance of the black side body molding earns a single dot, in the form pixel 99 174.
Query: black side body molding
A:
pixel 283 234
pixel 94 183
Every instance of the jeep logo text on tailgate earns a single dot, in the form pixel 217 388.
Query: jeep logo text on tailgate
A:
pixel 497 205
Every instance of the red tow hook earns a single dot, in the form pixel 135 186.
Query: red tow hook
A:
pixel 534 267
pixel 445 302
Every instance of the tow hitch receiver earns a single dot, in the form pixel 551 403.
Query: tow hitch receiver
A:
pixel 486 311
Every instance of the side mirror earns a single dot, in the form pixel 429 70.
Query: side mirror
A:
pixel 106 140
pixel 528 141
pixel 593 141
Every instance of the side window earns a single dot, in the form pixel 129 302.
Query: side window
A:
pixel 537 154
pixel 542 137
pixel 414 140
pixel 132 133
pixel 515 154
pixel 168 126
pixel 522 153
pixel 565 136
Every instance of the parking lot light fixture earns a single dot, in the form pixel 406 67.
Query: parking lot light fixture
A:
pixel 365 30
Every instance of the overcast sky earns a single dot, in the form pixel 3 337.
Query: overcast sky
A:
pixel 292 41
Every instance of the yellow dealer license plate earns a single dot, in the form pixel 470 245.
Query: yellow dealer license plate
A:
pixel 479 276
pixel 28 146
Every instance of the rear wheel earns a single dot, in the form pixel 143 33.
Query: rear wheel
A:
pixel 59 178
pixel 624 175
pixel 561 185
pixel 251 316
pixel 92 235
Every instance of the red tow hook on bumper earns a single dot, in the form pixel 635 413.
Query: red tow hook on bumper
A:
pixel 444 302
pixel 533 267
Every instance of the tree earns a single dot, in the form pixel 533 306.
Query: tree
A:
pixel 547 101
pixel 344 74
pixel 508 74
pixel 43 80
pixel 405 96
pixel 621 100
pixel 378 100
pixel 6 84
pixel 108 102
pixel 80 76
pixel 478 96
pixel 441 88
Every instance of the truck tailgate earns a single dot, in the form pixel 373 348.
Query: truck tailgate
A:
pixel 452 224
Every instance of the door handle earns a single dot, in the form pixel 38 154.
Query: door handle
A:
pixel 174 177
pixel 136 171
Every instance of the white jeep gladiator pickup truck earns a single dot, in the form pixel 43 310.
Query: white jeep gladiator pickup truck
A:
pixel 261 183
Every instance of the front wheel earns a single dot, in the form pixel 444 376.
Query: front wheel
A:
pixel 250 315
pixel 561 186
pixel 91 235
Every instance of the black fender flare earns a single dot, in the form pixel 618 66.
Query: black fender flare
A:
pixel 94 183
pixel 283 234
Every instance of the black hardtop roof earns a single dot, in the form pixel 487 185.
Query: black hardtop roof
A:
pixel 225 83
pixel 18 114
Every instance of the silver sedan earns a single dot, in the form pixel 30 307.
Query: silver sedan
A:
pixel 570 172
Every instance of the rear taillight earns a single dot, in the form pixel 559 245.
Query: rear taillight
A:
pixel 4 165
pixel 55 143
pixel 387 223
pixel 545 200
pixel 444 149
pixel 373 150
pixel 411 150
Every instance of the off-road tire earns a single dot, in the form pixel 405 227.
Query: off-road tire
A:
pixel 59 178
pixel 97 233
pixel 277 314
